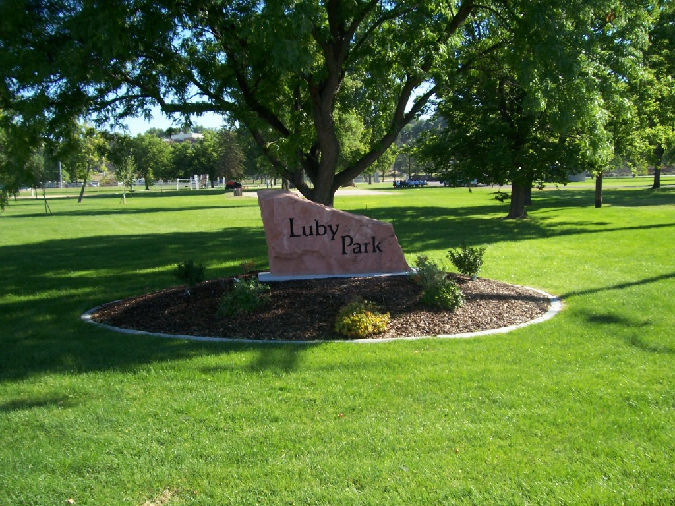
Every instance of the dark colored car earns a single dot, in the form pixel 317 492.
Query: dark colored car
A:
pixel 231 185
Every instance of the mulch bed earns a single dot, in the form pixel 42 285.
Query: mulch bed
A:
pixel 305 310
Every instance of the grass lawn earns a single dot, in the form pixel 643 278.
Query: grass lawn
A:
pixel 577 410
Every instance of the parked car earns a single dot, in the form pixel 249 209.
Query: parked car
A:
pixel 410 183
pixel 231 185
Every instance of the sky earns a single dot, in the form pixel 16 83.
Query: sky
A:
pixel 209 120
pixel 140 125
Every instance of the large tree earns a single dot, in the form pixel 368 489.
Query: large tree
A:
pixel 286 69
pixel 537 108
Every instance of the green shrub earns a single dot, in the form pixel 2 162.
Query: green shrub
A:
pixel 189 273
pixel 428 272
pixel 245 297
pixel 468 260
pixel 437 290
pixel 445 296
pixel 360 319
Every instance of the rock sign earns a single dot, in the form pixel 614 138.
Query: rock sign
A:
pixel 309 239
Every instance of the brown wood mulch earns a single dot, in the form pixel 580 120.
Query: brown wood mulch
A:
pixel 305 310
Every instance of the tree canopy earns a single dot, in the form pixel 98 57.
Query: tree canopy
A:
pixel 285 69
pixel 305 77
pixel 547 104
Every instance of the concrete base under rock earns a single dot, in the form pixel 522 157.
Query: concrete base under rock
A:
pixel 268 277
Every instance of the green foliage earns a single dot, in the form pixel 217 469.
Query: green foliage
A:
pixel 84 150
pixel 190 273
pixel 308 79
pixel 437 290
pixel 361 319
pixel 467 259
pixel 246 296
pixel 125 173
pixel 152 156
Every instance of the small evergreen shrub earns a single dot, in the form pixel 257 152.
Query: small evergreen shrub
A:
pixel 445 296
pixel 189 273
pixel 360 319
pixel 468 260
pixel 437 290
pixel 245 297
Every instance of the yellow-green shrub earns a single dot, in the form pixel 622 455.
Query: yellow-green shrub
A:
pixel 361 319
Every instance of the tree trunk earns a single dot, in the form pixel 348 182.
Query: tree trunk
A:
pixel 598 190
pixel 528 195
pixel 48 210
pixel 657 178
pixel 518 198
pixel 658 151
pixel 323 192
pixel 84 183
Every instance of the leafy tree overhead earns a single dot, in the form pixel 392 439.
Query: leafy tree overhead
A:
pixel 285 69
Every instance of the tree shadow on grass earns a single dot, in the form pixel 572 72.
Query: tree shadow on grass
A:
pixel 47 287
pixel 121 211
pixel 426 228
pixel 41 401
pixel 637 341
pixel 634 337
pixel 584 197
pixel 621 286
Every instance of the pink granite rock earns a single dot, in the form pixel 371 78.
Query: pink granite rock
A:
pixel 306 238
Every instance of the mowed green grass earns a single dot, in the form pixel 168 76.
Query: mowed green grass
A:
pixel 576 410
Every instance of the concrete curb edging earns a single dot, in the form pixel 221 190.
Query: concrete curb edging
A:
pixel 554 308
